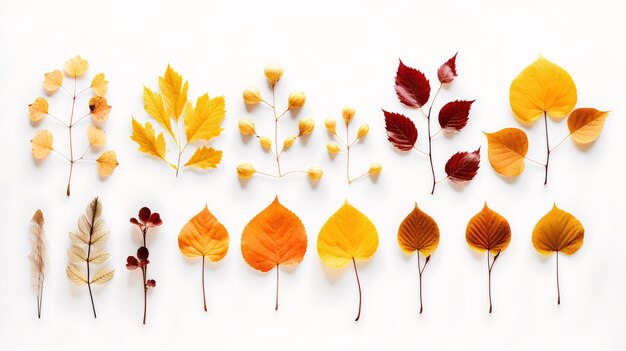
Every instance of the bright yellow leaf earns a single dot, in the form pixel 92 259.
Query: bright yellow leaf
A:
pixel 53 81
pixel 107 163
pixel 147 141
pixel 585 124
pixel 174 91
pixel 507 149
pixel 38 109
pixel 348 234
pixel 99 108
pixel 205 157
pixel 542 87
pixel 76 66
pixel 154 105
pixel 203 122
pixel 41 144
pixel 99 85
pixel 96 136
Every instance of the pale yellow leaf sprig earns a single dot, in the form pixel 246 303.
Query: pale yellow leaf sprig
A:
pixel 252 96
pixel 541 90
pixel 98 109
pixel 333 148
pixel 87 249
pixel 201 123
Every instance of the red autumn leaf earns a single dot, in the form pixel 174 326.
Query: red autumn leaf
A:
pixel 151 283
pixel 453 116
pixel 462 166
pixel 412 87
pixel 401 131
pixel 132 263
pixel 447 72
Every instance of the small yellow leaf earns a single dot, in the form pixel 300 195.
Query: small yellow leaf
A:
pixel 205 157
pixel 107 163
pixel 96 136
pixel 102 276
pixel 53 81
pixel 38 109
pixel 76 66
pixel 507 149
pixel 203 122
pixel 585 124
pixel 99 108
pixel 42 144
pixel 75 275
pixel 348 234
pixel 154 105
pixel 174 91
pixel 99 85
pixel 147 141
pixel 542 87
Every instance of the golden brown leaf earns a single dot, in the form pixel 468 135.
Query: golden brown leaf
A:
pixel 507 149
pixel 488 230
pixel 558 231
pixel 418 232
pixel 53 81
pixel 585 124
pixel 99 108
pixel 41 144
pixel 107 163
pixel 38 109
pixel 76 66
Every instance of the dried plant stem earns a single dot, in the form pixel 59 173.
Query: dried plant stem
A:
pixel 358 282
pixel 277 280
pixel 489 268
pixel 558 289
pixel 430 139
pixel 545 119
pixel 420 270
pixel 203 291
pixel 145 293
pixel 40 296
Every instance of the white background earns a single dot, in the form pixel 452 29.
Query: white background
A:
pixel 338 53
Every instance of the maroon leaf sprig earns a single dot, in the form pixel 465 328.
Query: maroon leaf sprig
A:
pixel 413 90
pixel 146 220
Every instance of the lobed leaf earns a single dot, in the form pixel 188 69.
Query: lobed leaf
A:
pixel 147 141
pixel 205 157
pixel 174 91
pixel 154 105
pixel 203 122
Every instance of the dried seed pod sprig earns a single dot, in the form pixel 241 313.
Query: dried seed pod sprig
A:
pixel 146 220
pixel 296 99
pixel 348 113
pixel 87 247
pixel 38 257
pixel 42 142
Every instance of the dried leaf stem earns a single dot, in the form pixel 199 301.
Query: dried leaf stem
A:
pixel 430 138
pixel 489 268
pixel 358 282
pixel 420 270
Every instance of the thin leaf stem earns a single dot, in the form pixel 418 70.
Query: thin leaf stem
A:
pixel 420 271
pixel 80 119
pixel 62 155
pixel 277 280
pixel 443 179
pixel 560 142
pixel 545 119
pixel 361 176
pixel 348 153
pixel 533 161
pixel 489 268
pixel 430 139
pixel 203 289
pixel 91 226
pixel 358 282
pixel 420 151
pixel 558 289
pixel 57 119
pixel 71 158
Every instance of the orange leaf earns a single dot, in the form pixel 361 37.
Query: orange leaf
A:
pixel 276 236
pixel 488 231
pixel 203 236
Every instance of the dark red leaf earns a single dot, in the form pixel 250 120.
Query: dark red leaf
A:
pixel 144 214
pixel 136 222
pixel 142 253
pixel 412 87
pixel 151 283
pixel 155 220
pixel 132 263
pixel 401 131
pixel 462 166
pixel 447 72
pixel 453 116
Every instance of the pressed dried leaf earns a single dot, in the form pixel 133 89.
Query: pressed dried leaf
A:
pixel 99 257
pixel 174 91
pixel 412 87
pixel 147 141
pixel 75 275
pixel 77 254
pixel 418 232
pixel 76 66
pixel 99 108
pixel 204 236
pixel 203 122
pixel 38 109
pixel 506 151
pixel 488 230
pixel 53 81
pixel 38 257
pixel 542 87
pixel 96 136
pixel 454 115
pixel 107 163
pixel 205 157
pixel 585 124
pixel 99 85
pixel 102 276
pixel 154 105
pixel 558 231
pixel 447 72
pixel 401 131
pixel 41 144
pixel 463 166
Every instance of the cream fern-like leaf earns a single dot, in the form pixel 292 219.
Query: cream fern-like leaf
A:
pixel 75 275
pixel 102 276
pixel 38 256
pixel 99 257
pixel 77 254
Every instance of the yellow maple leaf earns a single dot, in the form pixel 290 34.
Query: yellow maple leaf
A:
pixel 203 122
pixel 76 66
pixel 174 91
pixel 205 157
pixel 154 105
pixel 147 140
pixel 107 163
pixel 42 144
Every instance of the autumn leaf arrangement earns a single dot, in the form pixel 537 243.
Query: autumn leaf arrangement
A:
pixel 88 249
pixel 543 89
pixel 201 123
pixel 247 127
pixel 333 148
pixel 42 143
pixel 38 257
pixel 413 90
pixel 145 220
